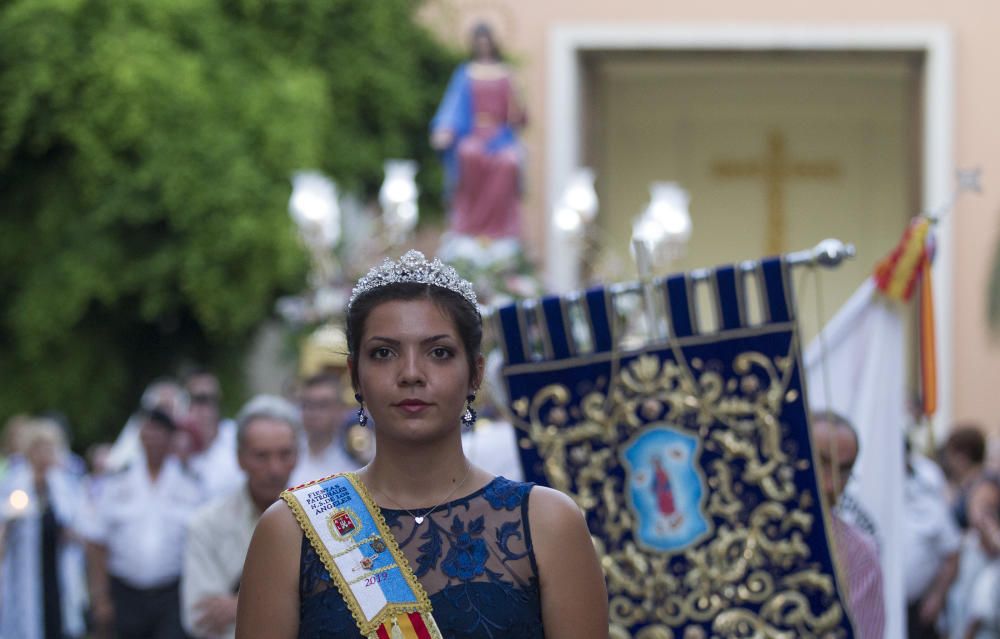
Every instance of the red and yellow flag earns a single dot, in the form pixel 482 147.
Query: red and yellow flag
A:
pixel 897 276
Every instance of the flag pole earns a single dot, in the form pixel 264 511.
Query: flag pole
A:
pixel 829 253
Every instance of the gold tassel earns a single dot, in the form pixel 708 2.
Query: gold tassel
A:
pixel 396 632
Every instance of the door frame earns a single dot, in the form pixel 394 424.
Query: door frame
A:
pixel 568 43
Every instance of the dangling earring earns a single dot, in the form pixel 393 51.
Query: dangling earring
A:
pixel 362 416
pixel 469 416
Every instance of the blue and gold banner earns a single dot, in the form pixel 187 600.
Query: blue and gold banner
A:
pixel 690 456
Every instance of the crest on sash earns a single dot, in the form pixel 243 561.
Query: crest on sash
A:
pixel 689 455
pixel 344 524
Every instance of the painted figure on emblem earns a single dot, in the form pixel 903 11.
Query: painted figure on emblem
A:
pixel 421 542
pixel 475 129
pixel 661 487
pixel 667 493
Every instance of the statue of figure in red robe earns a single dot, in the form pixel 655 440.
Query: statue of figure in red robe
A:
pixel 475 129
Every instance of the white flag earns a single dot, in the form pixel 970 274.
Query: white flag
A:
pixel 856 367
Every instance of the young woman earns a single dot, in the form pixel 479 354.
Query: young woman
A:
pixel 498 559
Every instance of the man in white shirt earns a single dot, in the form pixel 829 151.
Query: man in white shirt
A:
pixel 331 444
pixel 931 546
pixel 215 463
pixel 165 394
pixel 219 535
pixel 136 538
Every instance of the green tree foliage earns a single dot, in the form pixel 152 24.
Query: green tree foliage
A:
pixel 145 154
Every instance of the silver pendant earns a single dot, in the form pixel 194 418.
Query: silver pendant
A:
pixel 419 520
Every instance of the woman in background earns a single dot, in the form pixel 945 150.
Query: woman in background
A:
pixel 42 577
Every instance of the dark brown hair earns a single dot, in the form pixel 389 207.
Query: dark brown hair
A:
pixel 967 440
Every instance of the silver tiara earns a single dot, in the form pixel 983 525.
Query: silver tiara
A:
pixel 414 267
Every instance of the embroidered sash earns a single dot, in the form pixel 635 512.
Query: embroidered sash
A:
pixel 346 528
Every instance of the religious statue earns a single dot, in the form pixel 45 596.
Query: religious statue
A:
pixel 475 130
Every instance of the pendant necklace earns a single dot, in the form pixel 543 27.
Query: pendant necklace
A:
pixel 421 518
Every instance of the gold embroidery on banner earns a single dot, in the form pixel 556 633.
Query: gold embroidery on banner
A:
pixel 757 554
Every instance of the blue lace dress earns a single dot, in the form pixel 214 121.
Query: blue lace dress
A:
pixel 472 555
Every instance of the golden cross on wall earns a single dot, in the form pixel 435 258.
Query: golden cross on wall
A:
pixel 775 168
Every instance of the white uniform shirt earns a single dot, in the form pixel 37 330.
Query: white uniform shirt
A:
pixel 984 601
pixel 929 531
pixel 218 539
pixel 332 459
pixel 217 466
pixel 143 523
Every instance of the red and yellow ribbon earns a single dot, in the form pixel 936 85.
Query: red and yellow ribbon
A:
pixel 928 347
pixel 406 626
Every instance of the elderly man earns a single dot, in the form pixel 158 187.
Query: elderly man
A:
pixel 836 446
pixel 267 439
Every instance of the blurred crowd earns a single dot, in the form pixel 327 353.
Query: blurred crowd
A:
pixel 145 536
pixel 952 547
pixel 949 535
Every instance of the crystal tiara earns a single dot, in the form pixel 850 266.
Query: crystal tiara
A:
pixel 414 267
